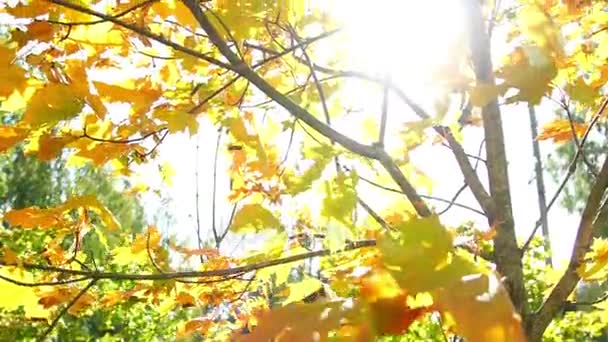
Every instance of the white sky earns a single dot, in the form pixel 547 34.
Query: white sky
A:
pixel 425 25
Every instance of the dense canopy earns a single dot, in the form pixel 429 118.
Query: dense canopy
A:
pixel 326 124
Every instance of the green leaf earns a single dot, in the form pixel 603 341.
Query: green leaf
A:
pixel 296 185
pixel 340 198
pixel 95 245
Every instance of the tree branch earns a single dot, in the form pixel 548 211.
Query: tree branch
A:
pixel 65 309
pixel 568 281
pixel 506 251
pixel 97 275
pixel 142 31
pixel 383 116
pixel 302 114
pixel 571 169
pixel 540 183
pixel 470 176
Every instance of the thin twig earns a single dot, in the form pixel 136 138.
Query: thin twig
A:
pixel 540 183
pixel 577 143
pixel 64 310
pixel 94 22
pixel 570 172
pixel 593 302
pixel 197 209
pixel 582 242
pixel 121 141
pixel 216 236
pixel 230 219
pixel 143 32
pixel 384 115
pixel 474 183
pixel 373 214
pixel 429 197
pixel 152 261
pixel 118 276
pixel 43 283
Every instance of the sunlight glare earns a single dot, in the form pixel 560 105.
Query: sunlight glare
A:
pixel 411 38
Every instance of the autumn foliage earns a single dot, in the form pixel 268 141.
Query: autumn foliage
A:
pixel 106 83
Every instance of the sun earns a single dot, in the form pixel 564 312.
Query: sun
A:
pixel 405 38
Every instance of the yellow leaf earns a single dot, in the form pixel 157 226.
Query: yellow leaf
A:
pixel 101 153
pixel 150 239
pixel 420 245
pixel 175 8
pixel 141 97
pixel 46 147
pixel 103 33
pixel 54 102
pixel 302 289
pixel 254 217
pixel 12 77
pixel 481 308
pixel 421 258
pixel 530 70
pixel 599 257
pixel 9 136
pixel 483 93
pixel 13 296
pixel 90 202
pixel 540 28
pixel 167 172
pixel 178 121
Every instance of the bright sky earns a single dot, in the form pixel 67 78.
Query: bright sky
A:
pixel 411 40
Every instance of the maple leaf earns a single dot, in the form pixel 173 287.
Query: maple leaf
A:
pixel 560 130
pixel 254 217
pixel 149 239
pixel 9 136
pixel 459 287
pixel 12 76
pixel 51 103
pixel 33 217
pixel 199 325
pixel 33 8
pixel 599 259
pixel 178 121
pixel 299 322
pixel 46 146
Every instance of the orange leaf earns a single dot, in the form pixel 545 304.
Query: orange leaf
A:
pixel 199 325
pixel 393 316
pixel 9 136
pixel 185 299
pixel 9 257
pixel 55 296
pixel 12 76
pixel 34 8
pixel 40 30
pixel 33 217
pixel 560 130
